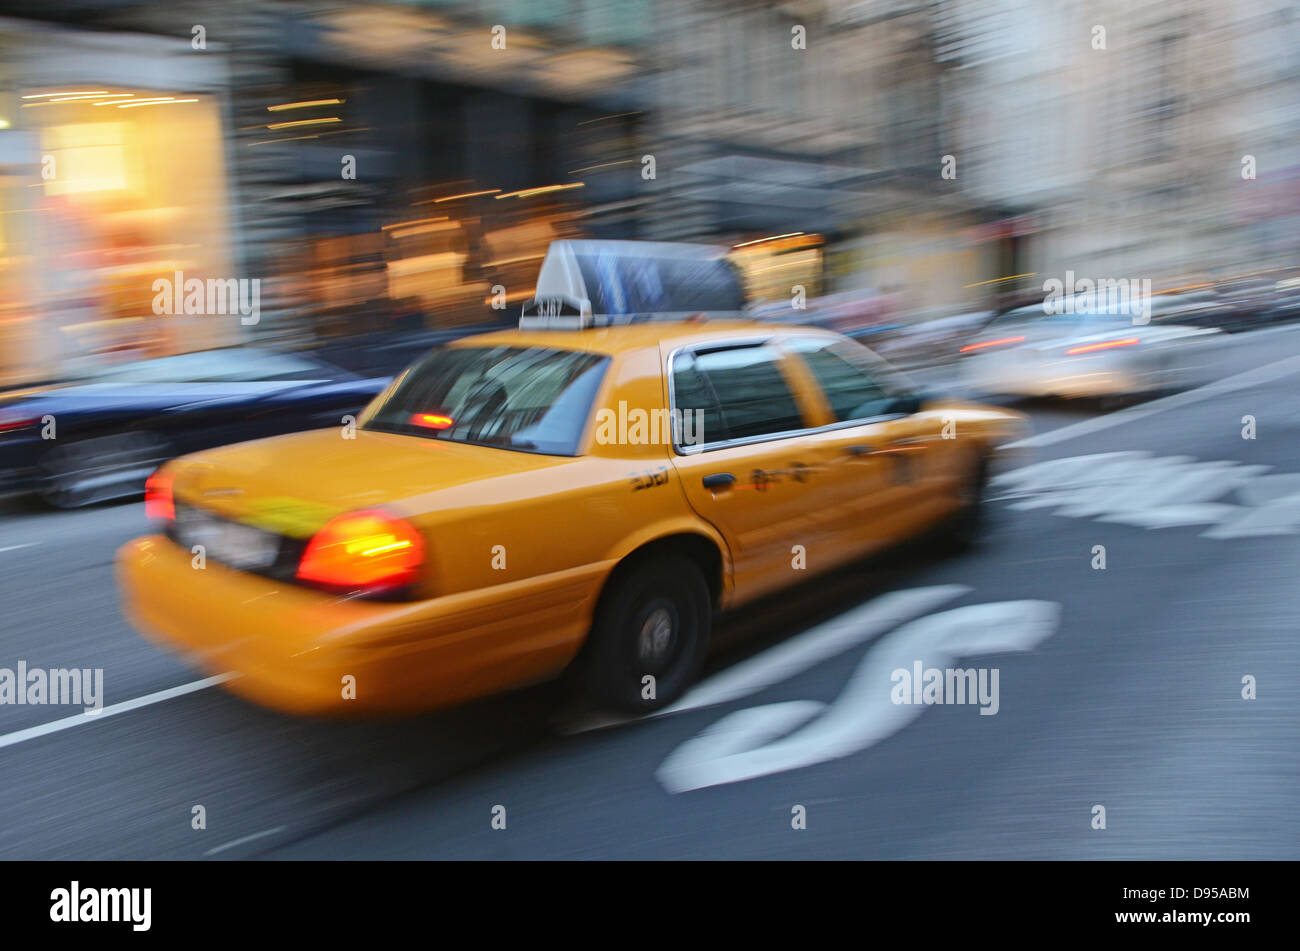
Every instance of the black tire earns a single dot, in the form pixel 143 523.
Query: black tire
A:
pixel 653 619
pixel 967 524
pixel 88 471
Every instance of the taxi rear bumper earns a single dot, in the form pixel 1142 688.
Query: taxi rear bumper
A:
pixel 294 649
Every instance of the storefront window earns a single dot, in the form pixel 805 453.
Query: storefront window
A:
pixel 109 190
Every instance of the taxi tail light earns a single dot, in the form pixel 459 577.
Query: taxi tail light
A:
pixel 1104 345
pixel 158 502
pixel 368 551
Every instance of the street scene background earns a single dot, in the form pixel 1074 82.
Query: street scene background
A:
pixel 391 175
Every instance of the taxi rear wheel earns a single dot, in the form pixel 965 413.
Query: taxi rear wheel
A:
pixel 650 636
pixel 87 471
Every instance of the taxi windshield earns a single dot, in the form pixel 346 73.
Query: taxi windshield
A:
pixel 531 399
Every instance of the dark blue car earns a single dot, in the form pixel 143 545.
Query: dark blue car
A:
pixel 102 436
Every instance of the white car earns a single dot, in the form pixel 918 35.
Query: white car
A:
pixel 1026 352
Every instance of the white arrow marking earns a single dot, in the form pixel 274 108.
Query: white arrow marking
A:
pixel 1279 517
pixel 748 743
pixel 816 645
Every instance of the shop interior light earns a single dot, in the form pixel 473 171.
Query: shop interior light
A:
pixel 775 237
pixel 439 201
pixel 307 104
pixel 400 233
pixel 593 168
pixel 301 122
pixel 102 96
pixel 541 190
pixel 132 98
pixel 86 98
pixel 67 92
pixel 412 222
pixel 155 102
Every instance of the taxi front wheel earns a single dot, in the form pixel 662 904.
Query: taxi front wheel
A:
pixel 967 524
pixel 650 636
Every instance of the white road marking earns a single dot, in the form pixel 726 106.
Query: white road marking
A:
pixel 1155 492
pixel 16 547
pixel 82 719
pixel 247 838
pixel 810 648
pixel 798 654
pixel 1278 517
pixel 1229 384
pixel 759 741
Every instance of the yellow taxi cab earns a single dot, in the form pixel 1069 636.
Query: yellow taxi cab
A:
pixel 559 497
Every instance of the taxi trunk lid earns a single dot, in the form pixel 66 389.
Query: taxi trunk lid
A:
pixel 291 485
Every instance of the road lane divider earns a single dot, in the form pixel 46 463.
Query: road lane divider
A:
pixel 1229 384
pixel 83 719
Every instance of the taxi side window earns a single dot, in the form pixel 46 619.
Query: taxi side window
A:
pixel 850 387
pixel 740 390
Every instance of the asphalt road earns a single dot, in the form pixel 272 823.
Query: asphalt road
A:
pixel 1118 687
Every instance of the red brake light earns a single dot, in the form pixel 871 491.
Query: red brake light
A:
pixel 1105 345
pixel 991 343
pixel 368 550
pixel 158 503
pixel 10 422
pixel 432 420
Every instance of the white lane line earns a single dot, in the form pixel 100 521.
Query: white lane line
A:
pixel 82 719
pixel 247 838
pixel 1229 384
pixel 16 547
pixel 798 654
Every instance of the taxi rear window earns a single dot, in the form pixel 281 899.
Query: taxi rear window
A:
pixel 530 399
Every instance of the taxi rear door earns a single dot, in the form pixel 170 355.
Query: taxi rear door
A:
pixel 877 464
pixel 742 458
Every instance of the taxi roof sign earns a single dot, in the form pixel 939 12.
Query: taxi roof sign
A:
pixel 588 283
pixel 555 311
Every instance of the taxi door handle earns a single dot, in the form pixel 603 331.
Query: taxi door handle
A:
pixel 861 450
pixel 719 480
